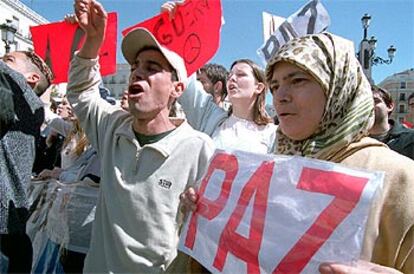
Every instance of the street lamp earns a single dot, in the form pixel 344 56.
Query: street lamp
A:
pixel 8 30
pixel 366 54
pixel 366 19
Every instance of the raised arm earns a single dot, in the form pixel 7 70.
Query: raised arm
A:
pixel 92 18
pixel 84 77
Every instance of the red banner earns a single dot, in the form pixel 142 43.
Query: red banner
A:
pixel 194 33
pixel 57 42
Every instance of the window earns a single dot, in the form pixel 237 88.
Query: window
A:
pixel 403 85
pixel 402 109
pixel 16 23
pixel 402 96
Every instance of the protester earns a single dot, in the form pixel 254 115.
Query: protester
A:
pixel 67 225
pixel 388 131
pixel 145 158
pixel 70 214
pixel 124 101
pixel 22 74
pixel 325 109
pixel 74 144
pixel 213 77
pixel 246 126
pixel 409 118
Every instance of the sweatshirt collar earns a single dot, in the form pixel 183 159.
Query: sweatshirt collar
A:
pixel 166 145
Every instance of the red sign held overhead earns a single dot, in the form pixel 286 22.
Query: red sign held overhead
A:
pixel 57 42
pixel 194 33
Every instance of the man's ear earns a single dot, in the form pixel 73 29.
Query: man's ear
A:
pixel 178 89
pixel 391 108
pixel 218 87
pixel 32 78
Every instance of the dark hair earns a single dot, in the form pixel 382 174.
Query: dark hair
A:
pixel 385 95
pixel 39 66
pixel 215 73
pixel 174 75
pixel 260 115
pixel 410 97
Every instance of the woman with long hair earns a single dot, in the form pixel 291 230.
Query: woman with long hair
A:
pixel 246 126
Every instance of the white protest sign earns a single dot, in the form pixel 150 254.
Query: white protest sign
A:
pixel 277 214
pixel 270 24
pixel 311 18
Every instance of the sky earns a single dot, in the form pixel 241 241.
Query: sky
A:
pixel 392 23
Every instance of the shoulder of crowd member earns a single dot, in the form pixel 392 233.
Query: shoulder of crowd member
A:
pixel 7 112
pixel 22 102
pixel 397 215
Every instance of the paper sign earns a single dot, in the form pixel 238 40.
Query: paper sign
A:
pixel 311 18
pixel 277 214
pixel 270 24
pixel 57 42
pixel 194 33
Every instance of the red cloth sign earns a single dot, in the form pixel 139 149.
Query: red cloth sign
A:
pixel 194 33
pixel 57 42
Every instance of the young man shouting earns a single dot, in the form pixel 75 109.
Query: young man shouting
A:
pixel 147 160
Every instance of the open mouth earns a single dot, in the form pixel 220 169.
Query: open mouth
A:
pixel 284 114
pixel 231 87
pixel 135 89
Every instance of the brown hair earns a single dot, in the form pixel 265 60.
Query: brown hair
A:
pixel 41 68
pixel 260 116
pixel 410 97
pixel 385 95
pixel 215 73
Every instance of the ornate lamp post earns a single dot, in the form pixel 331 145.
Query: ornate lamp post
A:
pixel 8 32
pixel 366 54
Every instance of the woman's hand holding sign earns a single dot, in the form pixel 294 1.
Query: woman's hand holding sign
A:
pixel 189 200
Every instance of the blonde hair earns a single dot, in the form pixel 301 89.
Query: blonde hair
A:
pixel 79 133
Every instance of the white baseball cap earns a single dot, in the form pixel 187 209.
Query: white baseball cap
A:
pixel 140 38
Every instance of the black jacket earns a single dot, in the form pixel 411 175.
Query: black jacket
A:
pixel 401 139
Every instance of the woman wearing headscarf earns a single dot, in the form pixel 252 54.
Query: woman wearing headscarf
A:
pixel 325 109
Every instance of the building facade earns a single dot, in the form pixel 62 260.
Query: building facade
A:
pixel 21 17
pixel 118 82
pixel 400 85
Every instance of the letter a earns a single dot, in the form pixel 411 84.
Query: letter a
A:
pixel 207 208
pixel 247 249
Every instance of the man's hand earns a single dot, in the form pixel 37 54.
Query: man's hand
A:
pixel 360 267
pixel 92 18
pixel 171 7
pixel 71 18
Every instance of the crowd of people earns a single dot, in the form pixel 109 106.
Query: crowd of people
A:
pixel 98 187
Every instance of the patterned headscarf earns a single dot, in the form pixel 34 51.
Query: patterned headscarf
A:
pixel 349 109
